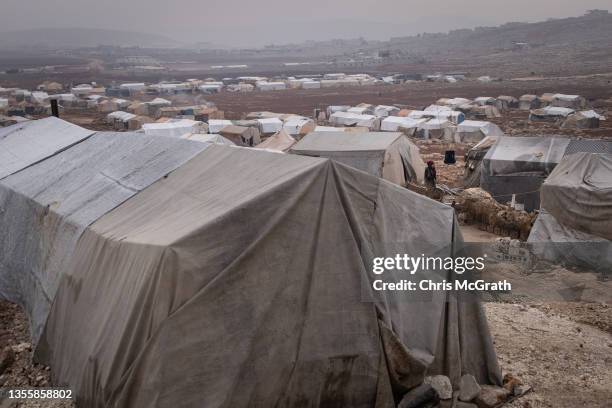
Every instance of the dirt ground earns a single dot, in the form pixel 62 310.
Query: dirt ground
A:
pixel 22 372
pixel 566 362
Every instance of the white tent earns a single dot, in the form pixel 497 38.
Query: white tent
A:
pixel 279 142
pixel 159 102
pixel 215 125
pixel 385 110
pixel 476 130
pixel 394 123
pixel 351 119
pixel 40 97
pixel 120 116
pixel 270 125
pixel 270 86
pixel 172 128
pixel 134 86
pixel 298 125
pixel 557 111
pixel 329 129
pixel 484 100
pixel 208 138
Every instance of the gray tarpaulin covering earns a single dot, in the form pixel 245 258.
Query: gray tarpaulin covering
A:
pixel 24 144
pixel 519 165
pixel 45 208
pixel 212 289
pixel 578 193
pixel 389 155
pixel 558 243
pixel 575 222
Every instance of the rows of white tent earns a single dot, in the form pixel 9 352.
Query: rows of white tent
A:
pixel 433 122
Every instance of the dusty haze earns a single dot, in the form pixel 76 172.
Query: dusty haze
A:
pixel 244 23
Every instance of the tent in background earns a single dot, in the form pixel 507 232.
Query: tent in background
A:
pixel 280 142
pixel 470 131
pixel 519 165
pixel 208 138
pixel 575 220
pixel 389 155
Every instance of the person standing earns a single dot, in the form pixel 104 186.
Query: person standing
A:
pixel 430 175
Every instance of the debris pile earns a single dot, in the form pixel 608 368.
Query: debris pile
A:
pixel 477 206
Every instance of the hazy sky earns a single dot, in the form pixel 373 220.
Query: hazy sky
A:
pixel 241 22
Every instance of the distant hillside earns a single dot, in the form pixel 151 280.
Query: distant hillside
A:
pixel 80 37
pixel 593 30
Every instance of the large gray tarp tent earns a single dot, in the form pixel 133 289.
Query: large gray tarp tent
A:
pixel 211 289
pixel 575 221
pixel 519 165
pixel 389 155
pixel 45 207
pixel 27 143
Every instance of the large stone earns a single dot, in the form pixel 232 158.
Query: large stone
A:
pixel 468 388
pixel 442 385
pixel 490 396
pixel 461 404
pixel 419 396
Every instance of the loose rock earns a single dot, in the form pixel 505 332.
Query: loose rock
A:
pixel 468 388
pixel 461 404
pixel 490 396
pixel 419 396
pixel 510 382
pixel 442 385
pixel 21 347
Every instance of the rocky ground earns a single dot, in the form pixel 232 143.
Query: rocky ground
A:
pixel 16 367
pixel 566 362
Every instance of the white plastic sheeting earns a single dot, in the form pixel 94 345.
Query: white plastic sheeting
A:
pixel 575 221
pixel 295 125
pixel 591 114
pixel 159 102
pixel 487 128
pixel 519 165
pixel 27 143
pixel 133 86
pixel 176 128
pixel 208 138
pixel 121 116
pixel 215 125
pixel 279 142
pixel 270 86
pixel 566 98
pixel 393 123
pixel 270 125
pixel 351 119
pixel 557 111
pixel 389 155
pixel 329 129
pixel 46 207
